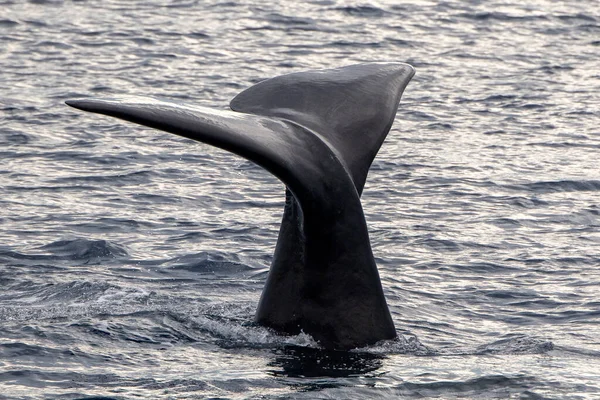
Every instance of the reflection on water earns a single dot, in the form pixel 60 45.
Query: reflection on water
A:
pixel 296 361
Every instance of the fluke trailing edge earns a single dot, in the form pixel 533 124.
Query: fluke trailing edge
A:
pixel 318 132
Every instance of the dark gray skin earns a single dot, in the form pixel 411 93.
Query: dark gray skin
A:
pixel 318 132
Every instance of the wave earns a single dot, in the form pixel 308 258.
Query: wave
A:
pixel 516 344
pixel 544 187
pixel 362 11
pixel 80 250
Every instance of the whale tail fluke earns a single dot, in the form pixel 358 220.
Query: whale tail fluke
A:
pixel 318 132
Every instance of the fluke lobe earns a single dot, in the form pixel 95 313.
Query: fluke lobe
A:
pixel 318 132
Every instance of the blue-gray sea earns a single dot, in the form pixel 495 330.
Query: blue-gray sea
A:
pixel 131 260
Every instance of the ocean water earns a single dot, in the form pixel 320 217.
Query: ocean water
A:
pixel 131 260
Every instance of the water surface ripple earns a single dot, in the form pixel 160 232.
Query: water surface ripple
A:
pixel 131 261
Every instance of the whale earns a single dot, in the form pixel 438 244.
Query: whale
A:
pixel 318 132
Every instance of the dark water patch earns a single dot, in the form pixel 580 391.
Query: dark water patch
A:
pixel 500 16
pixel 85 250
pixel 10 257
pixel 53 44
pixel 101 89
pixel 114 225
pixel 347 43
pixel 558 186
pixel 506 223
pixel 440 126
pixel 508 294
pixel 496 98
pixel 46 2
pixel 8 23
pixel 289 20
pixel 189 236
pixel 14 259
pixel 362 11
pixel 142 41
pixel 576 17
pixel 213 263
pixel 121 179
pixel 556 31
pixel 480 246
pixel 198 35
pixel 147 62
pixel 77 396
pixel 576 316
pixel 534 106
pixel 576 261
pixel 525 202
pixel 11 105
pixel 10 137
pixel 537 304
pixel 182 4
pixel 462 54
pixel 566 145
pixel 579 113
pixel 121 159
pixel 188 385
pixel 401 42
pixel 420 116
pixel 5 281
pixel 554 69
pixel 45 118
pixel 306 362
pixel 262 28
pixel 593 354
pixel 443 245
pixel 589 28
